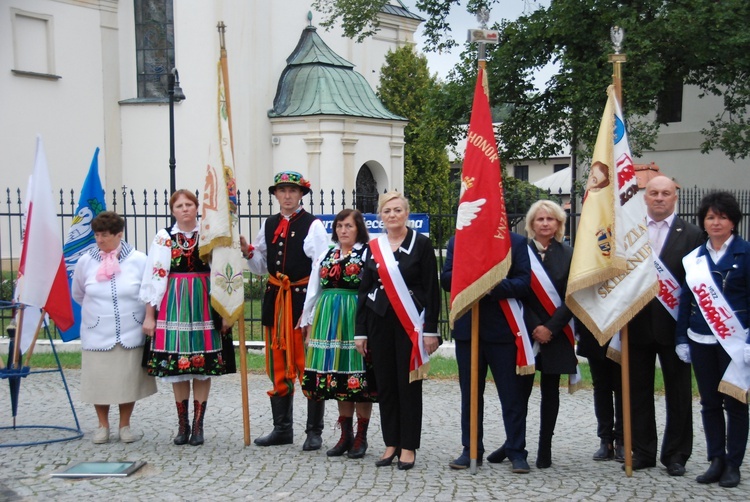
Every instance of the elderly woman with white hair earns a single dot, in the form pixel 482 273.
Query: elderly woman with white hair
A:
pixel 547 318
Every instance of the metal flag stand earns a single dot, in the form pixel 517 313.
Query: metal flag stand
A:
pixel 14 371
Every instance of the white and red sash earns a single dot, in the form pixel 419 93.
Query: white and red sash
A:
pixel 669 288
pixel 513 311
pixel 668 295
pixel 722 321
pixel 403 305
pixel 545 291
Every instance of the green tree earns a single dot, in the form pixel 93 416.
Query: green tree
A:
pixel 407 89
pixel 698 42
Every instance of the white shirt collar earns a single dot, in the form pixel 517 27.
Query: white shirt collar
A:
pixel 176 229
pixel 668 220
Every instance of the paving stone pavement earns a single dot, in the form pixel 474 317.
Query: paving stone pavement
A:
pixel 224 469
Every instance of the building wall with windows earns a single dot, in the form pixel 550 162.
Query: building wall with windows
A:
pixel 91 96
pixel 53 84
pixel 677 149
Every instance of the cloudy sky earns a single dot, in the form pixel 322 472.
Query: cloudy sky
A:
pixel 461 21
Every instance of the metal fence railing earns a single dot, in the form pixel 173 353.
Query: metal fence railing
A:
pixel 147 211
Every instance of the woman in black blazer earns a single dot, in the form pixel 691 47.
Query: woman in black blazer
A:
pixel 548 325
pixel 381 331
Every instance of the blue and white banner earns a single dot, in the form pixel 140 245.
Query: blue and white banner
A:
pixel 419 222
pixel 80 236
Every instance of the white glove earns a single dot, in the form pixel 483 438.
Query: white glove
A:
pixel 683 352
pixel 747 354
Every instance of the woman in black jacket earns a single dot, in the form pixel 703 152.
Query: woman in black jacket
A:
pixel 390 335
pixel 547 317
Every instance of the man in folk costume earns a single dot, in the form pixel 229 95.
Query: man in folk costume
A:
pixel 500 333
pixel 285 248
pixel 652 334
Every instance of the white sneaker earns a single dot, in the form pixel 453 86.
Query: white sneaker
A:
pixel 101 435
pixel 126 436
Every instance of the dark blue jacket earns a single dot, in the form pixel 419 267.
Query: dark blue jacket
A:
pixel 732 277
pixel 492 324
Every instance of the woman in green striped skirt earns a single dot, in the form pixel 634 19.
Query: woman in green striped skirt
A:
pixel 333 367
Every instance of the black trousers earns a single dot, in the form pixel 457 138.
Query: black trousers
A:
pixel 549 385
pixel 513 391
pixel 677 442
pixel 605 375
pixel 726 437
pixel 400 402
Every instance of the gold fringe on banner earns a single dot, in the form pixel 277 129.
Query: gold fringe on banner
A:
pixel 733 391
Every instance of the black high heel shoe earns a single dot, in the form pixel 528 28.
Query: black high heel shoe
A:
pixel 385 462
pixel 405 466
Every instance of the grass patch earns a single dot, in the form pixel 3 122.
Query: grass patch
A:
pixel 256 362
pixel 68 360
pixel 442 368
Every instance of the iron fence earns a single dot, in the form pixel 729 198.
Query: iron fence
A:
pixel 147 211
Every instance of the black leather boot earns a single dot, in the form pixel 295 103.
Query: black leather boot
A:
pixel 199 411
pixel 714 472
pixel 619 450
pixel 315 412
pixel 183 433
pixel 544 453
pixel 359 447
pixel 346 440
pixel 606 451
pixel 282 433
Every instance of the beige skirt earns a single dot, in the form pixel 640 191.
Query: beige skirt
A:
pixel 114 376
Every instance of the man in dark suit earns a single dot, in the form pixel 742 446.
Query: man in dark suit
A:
pixel 652 334
pixel 497 351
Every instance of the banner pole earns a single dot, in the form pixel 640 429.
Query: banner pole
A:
pixel 474 405
pixel 617 59
pixel 626 425
pixel 243 381
pixel 36 336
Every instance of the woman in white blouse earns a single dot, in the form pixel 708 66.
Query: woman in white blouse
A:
pixel 106 283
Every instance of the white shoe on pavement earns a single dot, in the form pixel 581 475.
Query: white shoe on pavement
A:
pixel 126 436
pixel 101 435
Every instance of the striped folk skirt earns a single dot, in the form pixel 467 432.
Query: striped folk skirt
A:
pixel 333 367
pixel 186 341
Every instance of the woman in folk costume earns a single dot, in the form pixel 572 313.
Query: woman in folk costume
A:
pixel 188 340
pixel 106 283
pixel 547 317
pixel 397 320
pixel 712 333
pixel 333 367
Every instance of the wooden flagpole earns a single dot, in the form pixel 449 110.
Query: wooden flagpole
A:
pixel 36 336
pixel 474 405
pixel 241 325
pixel 617 60
pixel 17 341
pixel 482 36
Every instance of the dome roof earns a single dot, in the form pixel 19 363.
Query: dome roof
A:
pixel 317 81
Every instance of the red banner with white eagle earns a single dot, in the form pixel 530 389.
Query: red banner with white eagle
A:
pixel 482 230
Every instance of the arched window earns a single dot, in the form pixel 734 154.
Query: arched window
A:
pixel 154 46
pixel 367 191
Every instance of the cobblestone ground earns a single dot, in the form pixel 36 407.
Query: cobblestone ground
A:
pixel 224 469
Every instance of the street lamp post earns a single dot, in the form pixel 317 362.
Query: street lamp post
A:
pixel 175 96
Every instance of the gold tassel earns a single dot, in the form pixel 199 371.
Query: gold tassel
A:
pixel 419 373
pixel 614 355
pixel 733 391
pixel 525 370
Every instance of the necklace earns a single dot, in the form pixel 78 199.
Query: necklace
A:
pixel 338 256
pixel 185 243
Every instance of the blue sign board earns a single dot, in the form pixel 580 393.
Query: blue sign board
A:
pixel 419 222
